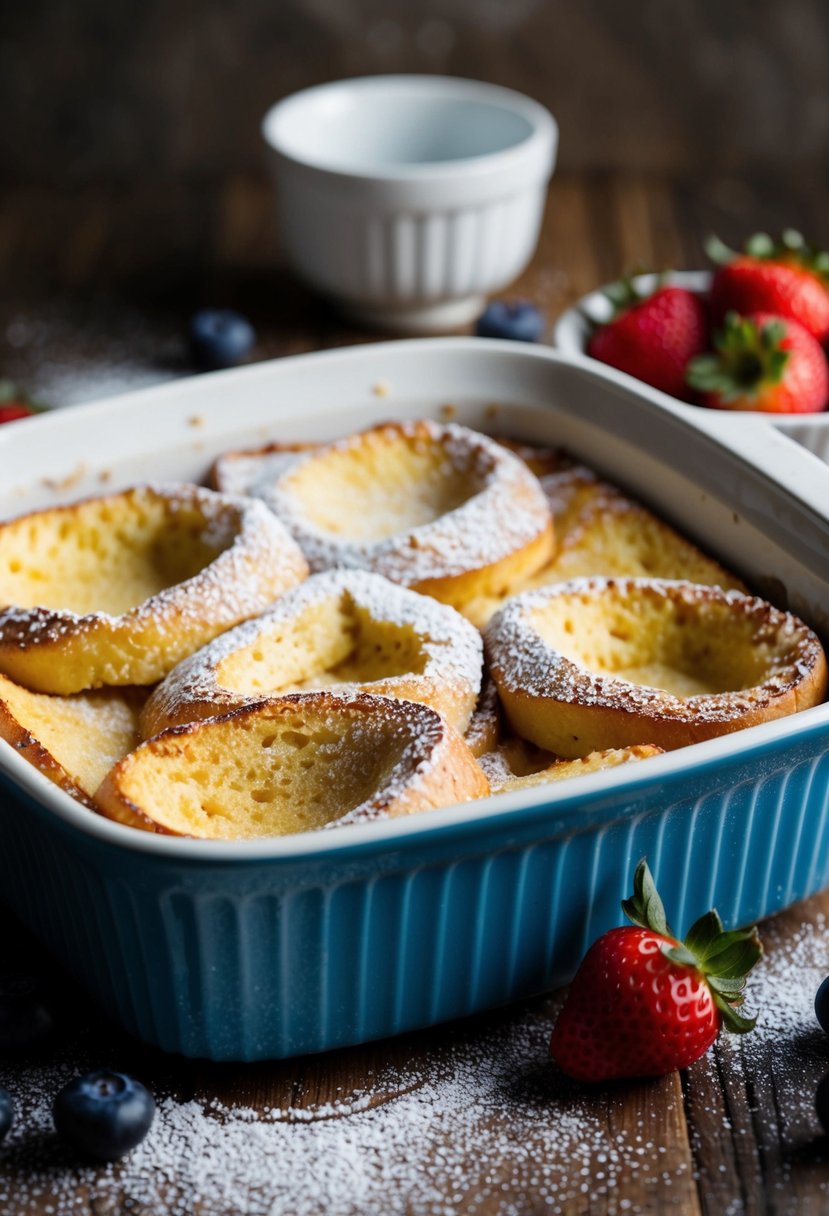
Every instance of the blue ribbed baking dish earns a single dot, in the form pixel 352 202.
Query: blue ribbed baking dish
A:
pixel 253 950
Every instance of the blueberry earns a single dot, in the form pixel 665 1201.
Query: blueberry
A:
pixel 6 1112
pixel 822 1004
pixel 104 1114
pixel 220 338
pixel 24 1020
pixel 516 319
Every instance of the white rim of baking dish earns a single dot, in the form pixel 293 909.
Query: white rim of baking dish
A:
pixel 555 809
pixel 746 439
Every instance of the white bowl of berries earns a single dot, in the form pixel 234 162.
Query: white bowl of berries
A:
pixel 408 199
pixel 747 336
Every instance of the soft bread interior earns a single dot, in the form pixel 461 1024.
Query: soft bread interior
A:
pixel 627 541
pixel 686 649
pixel 504 777
pixel 334 641
pixel 85 734
pixel 599 532
pixel 108 554
pixel 270 772
pixel 380 484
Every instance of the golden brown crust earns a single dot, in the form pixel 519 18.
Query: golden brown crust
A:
pixel 92 593
pixel 504 779
pixel 72 740
pixel 344 628
pixel 301 762
pixel 483 733
pixel 440 509
pixel 540 460
pixel 601 532
pixel 731 661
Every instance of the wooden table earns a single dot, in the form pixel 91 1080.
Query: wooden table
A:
pixel 465 1118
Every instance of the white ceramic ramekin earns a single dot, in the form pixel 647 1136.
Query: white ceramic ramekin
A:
pixel 408 199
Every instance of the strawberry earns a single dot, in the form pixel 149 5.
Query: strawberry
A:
pixel 652 338
pixel 787 277
pixel 762 362
pixel 15 404
pixel 12 410
pixel 643 1003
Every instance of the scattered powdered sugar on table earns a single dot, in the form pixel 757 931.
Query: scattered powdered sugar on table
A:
pixel 489 1120
pixel 787 1049
pixel 480 1120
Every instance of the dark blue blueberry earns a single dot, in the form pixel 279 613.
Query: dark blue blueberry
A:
pixel 6 1112
pixel 822 1005
pixel 220 338
pixel 822 1103
pixel 104 1114
pixel 24 1020
pixel 516 319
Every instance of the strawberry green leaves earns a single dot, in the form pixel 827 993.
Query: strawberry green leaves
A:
pixel 749 357
pixel 723 957
pixel 645 907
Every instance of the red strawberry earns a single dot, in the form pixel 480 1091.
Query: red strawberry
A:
pixel 765 363
pixel 13 410
pixel 653 338
pixel 788 278
pixel 15 404
pixel 643 1003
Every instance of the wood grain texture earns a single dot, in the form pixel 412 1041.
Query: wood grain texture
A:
pixel 736 1133
pixel 98 285
pixel 174 89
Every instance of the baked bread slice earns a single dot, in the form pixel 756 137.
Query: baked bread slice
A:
pixel 345 628
pixel 74 741
pixel 601 532
pixel 503 779
pixel 118 589
pixel 441 509
pixel 303 762
pixel 483 733
pixel 608 663
pixel 238 472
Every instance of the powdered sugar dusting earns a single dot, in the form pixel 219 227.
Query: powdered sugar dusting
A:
pixel 486 1123
pixel 452 648
pixel 506 511
pixel 521 660
pixel 254 559
pixel 375 757
pixel 480 1120
pixel 239 472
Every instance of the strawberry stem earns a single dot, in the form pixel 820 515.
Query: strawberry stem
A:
pixel 723 957
pixel 11 394
pixel 792 248
pixel 749 358
pixel 624 293
pixel 718 251
pixel 645 908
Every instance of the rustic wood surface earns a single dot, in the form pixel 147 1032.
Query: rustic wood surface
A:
pixel 150 91
pixel 97 291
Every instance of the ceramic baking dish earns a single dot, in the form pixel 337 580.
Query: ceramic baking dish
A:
pixel 250 950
